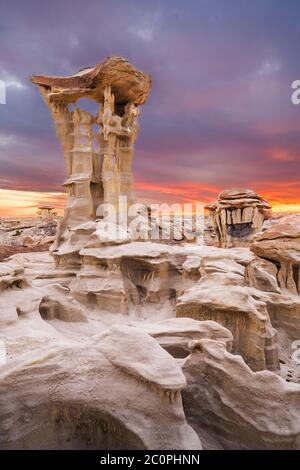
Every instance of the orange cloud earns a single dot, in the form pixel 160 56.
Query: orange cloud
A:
pixel 25 203
pixel 284 196
pixel 176 192
pixel 280 192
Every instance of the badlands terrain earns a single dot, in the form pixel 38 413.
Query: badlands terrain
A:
pixel 26 234
pixel 133 343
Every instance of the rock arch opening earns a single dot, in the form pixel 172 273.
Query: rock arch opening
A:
pixel 73 426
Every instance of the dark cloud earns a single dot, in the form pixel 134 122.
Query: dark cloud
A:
pixel 220 112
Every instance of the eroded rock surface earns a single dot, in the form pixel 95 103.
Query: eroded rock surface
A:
pixel 281 244
pixel 82 368
pixel 242 409
pixel 92 396
pixel 221 295
pixel 237 215
pixel 98 150
pixel 118 343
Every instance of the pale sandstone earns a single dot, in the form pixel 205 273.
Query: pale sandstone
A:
pixel 244 410
pixel 281 244
pixel 94 354
pixel 95 175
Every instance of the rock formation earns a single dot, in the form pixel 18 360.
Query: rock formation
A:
pixel 221 295
pixel 46 213
pixel 240 408
pixel 29 234
pixel 94 397
pixel 98 162
pixel 186 378
pixel 236 215
pixel 118 343
pixel 281 245
pixel 110 325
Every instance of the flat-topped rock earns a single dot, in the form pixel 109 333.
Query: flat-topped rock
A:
pixel 239 194
pixel 96 175
pixel 128 84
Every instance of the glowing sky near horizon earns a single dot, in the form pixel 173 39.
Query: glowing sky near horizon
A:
pixel 220 113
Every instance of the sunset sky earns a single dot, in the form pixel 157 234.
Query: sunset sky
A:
pixel 219 115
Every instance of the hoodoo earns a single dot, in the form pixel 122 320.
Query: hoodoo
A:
pixel 98 162
pixel 237 214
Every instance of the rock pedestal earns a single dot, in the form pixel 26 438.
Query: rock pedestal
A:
pixel 46 213
pixel 98 162
pixel 237 214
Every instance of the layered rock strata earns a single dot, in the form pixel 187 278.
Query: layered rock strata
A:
pixel 237 214
pixel 98 150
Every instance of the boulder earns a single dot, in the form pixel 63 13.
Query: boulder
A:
pixel 281 245
pixel 61 308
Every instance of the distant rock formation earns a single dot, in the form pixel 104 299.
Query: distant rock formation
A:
pixel 27 234
pixel 237 215
pixel 47 213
